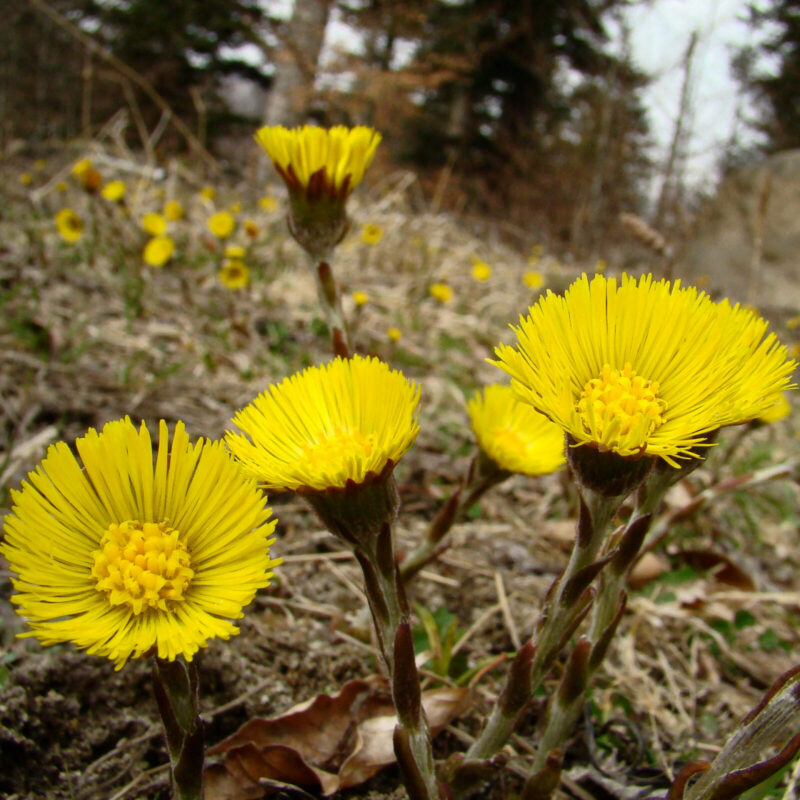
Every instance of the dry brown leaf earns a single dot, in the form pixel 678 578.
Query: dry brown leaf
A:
pixel 648 568
pixel 723 568
pixel 326 744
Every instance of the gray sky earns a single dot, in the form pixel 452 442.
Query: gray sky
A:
pixel 660 35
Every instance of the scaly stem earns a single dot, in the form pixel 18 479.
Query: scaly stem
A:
pixel 330 299
pixel 387 602
pixel 567 603
pixel 175 684
pixel 565 705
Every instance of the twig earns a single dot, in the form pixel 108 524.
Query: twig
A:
pixel 507 618
pixel 131 74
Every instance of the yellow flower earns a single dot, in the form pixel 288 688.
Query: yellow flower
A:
pixel 221 224
pixel 87 175
pixel 250 228
pixel 780 409
pixel 158 251
pixel 236 208
pixel 537 250
pixel 26 179
pixel 513 435
pixel 61 187
pixel 234 251
pixel 394 334
pixel 81 167
pixel 360 298
pixel 268 203
pixel 234 274
pixel 114 191
pixel 154 224
pixel 371 233
pixel 793 323
pixel 208 193
pixel 319 160
pixel 645 366
pixel 173 210
pixel 481 271
pixel 125 555
pixel 328 426
pixel 533 279
pixel 69 225
pixel 441 292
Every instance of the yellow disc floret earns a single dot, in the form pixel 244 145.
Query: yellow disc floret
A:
pixel 142 565
pixel 620 409
pixel 337 451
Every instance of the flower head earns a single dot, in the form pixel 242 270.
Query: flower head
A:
pixel 222 224
pixel 70 225
pixel 173 210
pixel 515 436
pixel 371 233
pixel 360 298
pixel 441 292
pixel 394 334
pixel 158 251
pixel 154 224
pixel 127 554
pixel 87 175
pixel 481 271
pixel 25 178
pixel 268 203
pixel 234 274
pixel 250 228
pixel 328 426
pixel 208 193
pixel 644 367
pixel 114 191
pixel 533 279
pixel 319 160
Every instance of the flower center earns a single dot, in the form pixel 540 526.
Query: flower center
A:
pixel 142 565
pixel 620 409
pixel 508 442
pixel 337 450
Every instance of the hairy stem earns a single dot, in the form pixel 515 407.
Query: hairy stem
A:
pixel 567 602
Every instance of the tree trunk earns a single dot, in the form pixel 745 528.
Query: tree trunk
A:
pixel 291 90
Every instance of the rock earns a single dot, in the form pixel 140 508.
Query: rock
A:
pixel 746 241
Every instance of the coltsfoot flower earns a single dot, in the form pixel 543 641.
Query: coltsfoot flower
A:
pixel 327 426
pixel 441 292
pixel 371 233
pixel 481 271
pixel 320 167
pixel 234 274
pixel 127 554
pixel 114 191
pixel 173 210
pixel 222 224
pixel 644 367
pixel 320 161
pixel 158 251
pixel 333 434
pixel 154 224
pixel 70 225
pixel 514 435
